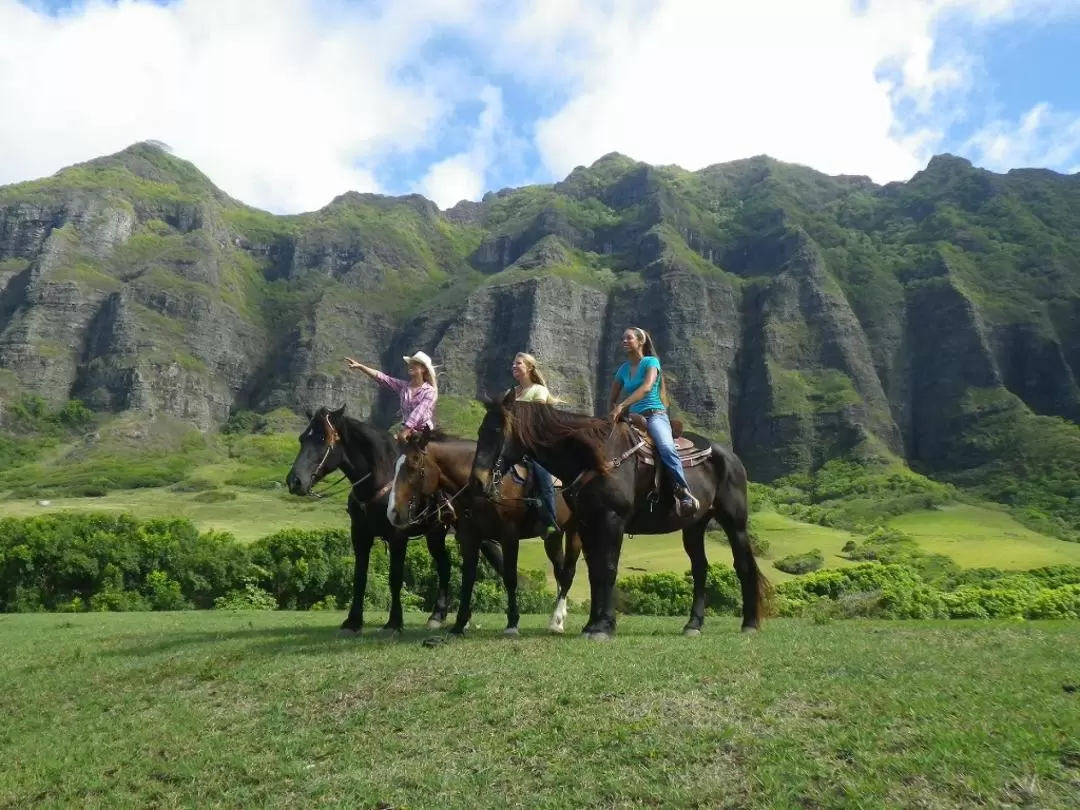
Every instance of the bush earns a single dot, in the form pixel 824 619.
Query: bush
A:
pixel 72 562
pixel 759 545
pixel 801 563
pixel 103 562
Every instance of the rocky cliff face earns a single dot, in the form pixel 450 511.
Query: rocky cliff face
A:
pixel 799 316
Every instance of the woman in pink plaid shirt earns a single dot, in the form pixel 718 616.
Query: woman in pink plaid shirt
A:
pixel 416 395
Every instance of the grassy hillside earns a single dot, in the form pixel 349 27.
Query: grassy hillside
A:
pixel 270 710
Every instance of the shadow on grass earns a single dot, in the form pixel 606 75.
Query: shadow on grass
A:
pixel 324 639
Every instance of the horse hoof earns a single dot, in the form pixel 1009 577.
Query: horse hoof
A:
pixel 600 635
pixel 390 631
pixel 749 628
pixel 434 624
pixel 511 632
pixel 556 628
pixel 691 632
pixel 347 632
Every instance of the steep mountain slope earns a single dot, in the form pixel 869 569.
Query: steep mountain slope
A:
pixel 800 316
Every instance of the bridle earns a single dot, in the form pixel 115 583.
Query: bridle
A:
pixel 440 503
pixel 332 440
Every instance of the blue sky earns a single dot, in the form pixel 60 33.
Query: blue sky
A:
pixel 288 103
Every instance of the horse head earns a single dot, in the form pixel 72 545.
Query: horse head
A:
pixel 416 479
pixel 497 448
pixel 321 450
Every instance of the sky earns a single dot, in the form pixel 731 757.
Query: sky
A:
pixel 285 104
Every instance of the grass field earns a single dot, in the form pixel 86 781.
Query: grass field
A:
pixel 976 536
pixel 252 515
pixel 270 710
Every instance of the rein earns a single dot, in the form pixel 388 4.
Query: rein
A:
pixel 332 439
pixel 437 507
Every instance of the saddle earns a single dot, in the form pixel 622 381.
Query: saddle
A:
pixel 692 450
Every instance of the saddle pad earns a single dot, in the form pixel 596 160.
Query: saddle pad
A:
pixel 691 448
pixel 687 444
pixel 520 474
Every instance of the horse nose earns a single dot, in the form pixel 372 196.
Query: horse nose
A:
pixel 292 481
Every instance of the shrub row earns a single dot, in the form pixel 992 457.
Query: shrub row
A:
pixel 77 562
pixel 874 590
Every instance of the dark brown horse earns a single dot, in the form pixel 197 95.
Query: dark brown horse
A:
pixel 366 456
pixel 613 490
pixel 433 477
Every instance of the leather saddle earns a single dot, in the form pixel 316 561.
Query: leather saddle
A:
pixel 692 449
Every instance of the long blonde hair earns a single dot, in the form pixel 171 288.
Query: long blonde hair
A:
pixel 534 374
pixel 649 350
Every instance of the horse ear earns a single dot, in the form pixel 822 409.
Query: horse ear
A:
pixel 309 414
pixel 340 412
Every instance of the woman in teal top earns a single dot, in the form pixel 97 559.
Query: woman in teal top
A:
pixel 640 376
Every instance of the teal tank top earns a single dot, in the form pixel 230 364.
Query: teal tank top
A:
pixel 651 401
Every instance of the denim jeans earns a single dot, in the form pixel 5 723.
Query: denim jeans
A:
pixel 545 486
pixel 659 427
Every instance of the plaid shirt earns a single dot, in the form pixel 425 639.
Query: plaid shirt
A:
pixel 417 407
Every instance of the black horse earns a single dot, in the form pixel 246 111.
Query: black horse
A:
pixel 611 492
pixel 366 456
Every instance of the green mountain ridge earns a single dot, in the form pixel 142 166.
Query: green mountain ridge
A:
pixel 801 317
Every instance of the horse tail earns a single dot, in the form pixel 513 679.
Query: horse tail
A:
pixel 733 501
pixel 766 592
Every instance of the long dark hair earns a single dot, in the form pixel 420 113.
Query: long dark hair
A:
pixel 649 350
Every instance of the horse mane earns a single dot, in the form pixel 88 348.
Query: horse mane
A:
pixel 537 424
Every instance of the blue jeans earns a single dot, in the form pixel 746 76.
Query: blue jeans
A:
pixel 659 427
pixel 545 486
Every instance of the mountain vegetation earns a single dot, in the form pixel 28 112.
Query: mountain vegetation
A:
pixel 892 346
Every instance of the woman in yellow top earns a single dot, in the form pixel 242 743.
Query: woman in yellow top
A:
pixel 531 387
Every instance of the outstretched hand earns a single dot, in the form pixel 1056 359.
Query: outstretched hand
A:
pixel 353 363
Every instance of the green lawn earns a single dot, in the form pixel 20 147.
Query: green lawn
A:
pixel 252 515
pixel 219 709
pixel 980 536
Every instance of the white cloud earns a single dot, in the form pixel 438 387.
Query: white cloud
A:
pixel 461 176
pixel 1040 137
pixel 284 104
pixel 817 83
pixel 288 103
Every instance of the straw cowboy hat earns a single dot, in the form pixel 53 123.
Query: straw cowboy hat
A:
pixel 422 359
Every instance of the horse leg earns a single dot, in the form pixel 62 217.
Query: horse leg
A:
pixel 607 570
pixel 510 580
pixel 553 547
pixel 396 621
pixel 470 558
pixel 493 554
pixel 594 563
pixel 362 540
pixel 436 543
pixel 693 538
pixel 731 514
pixel 565 565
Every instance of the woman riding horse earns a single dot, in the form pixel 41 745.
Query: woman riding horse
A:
pixel 417 396
pixel 532 387
pixel 642 379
